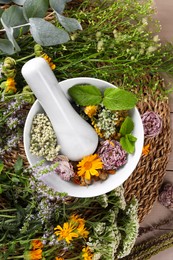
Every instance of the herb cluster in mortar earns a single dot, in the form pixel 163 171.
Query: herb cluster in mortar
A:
pixel 107 112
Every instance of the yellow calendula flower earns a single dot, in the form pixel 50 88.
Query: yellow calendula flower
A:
pixel 49 60
pixel 36 243
pixel 91 110
pixel 10 85
pixel 66 232
pixel 146 149
pixel 87 254
pixel 89 166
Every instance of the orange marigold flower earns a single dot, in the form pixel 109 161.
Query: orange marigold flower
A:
pixel 89 165
pixel 59 258
pixel 36 244
pixel 49 60
pixel 90 110
pixel 66 232
pixel 86 253
pixel 146 149
pixel 35 254
pixel 10 83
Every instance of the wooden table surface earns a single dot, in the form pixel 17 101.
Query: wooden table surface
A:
pixel 159 212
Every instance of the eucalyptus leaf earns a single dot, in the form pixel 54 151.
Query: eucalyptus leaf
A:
pixel 70 24
pixel 1 11
pixel 13 16
pixel 119 99
pixel 85 95
pixel 127 126
pixel 46 34
pixel 58 5
pixel 9 32
pixel 19 2
pixel 6 46
pixel 33 8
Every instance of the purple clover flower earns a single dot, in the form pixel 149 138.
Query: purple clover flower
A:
pixel 64 168
pixel 152 123
pixel 112 154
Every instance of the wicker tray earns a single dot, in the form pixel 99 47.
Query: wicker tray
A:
pixel 145 181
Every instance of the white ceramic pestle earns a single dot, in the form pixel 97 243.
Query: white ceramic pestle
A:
pixel 76 137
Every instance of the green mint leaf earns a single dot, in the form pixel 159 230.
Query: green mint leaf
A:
pixel 18 165
pixel 127 144
pixel 85 95
pixel 131 138
pixel 119 99
pixel 127 126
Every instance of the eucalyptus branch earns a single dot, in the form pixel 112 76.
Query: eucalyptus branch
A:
pixel 15 27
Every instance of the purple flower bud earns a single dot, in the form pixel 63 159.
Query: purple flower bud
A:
pixel 64 168
pixel 112 155
pixel 152 123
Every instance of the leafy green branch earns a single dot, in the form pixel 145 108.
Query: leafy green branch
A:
pixel 112 98
pixel 127 140
pixel 28 16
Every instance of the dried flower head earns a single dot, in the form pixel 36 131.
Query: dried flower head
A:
pixel 64 168
pixel 112 154
pixel 91 111
pixel 152 123
pixel 166 196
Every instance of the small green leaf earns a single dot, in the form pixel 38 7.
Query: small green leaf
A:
pixel 119 99
pixel 33 8
pixel 70 24
pixel 127 126
pixel 1 190
pixel 131 138
pixel 14 179
pixel 1 166
pixel 85 95
pixel 6 46
pixel 18 165
pixel 46 34
pixel 58 5
pixel 127 145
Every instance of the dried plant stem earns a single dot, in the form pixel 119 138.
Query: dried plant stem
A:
pixel 151 247
pixel 156 226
